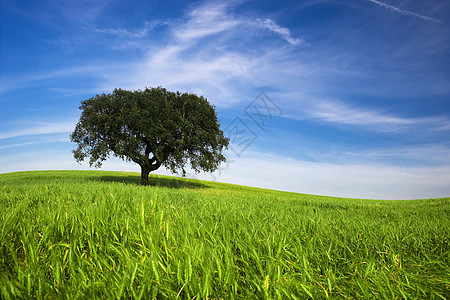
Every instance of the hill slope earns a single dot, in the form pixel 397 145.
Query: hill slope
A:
pixel 92 234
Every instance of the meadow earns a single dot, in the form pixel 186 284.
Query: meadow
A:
pixel 100 235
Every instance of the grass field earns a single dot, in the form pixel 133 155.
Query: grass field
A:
pixel 93 234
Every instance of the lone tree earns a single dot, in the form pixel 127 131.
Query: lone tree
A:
pixel 152 128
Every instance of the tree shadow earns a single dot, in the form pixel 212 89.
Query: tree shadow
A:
pixel 174 183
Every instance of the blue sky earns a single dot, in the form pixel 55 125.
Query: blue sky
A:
pixel 346 98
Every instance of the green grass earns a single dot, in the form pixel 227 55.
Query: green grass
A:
pixel 91 234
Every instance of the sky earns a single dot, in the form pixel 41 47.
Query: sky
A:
pixel 345 98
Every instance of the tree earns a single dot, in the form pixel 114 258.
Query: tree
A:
pixel 152 128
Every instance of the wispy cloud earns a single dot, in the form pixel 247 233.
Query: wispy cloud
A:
pixel 84 12
pixel 28 140
pixel 208 52
pixel 136 33
pixel 206 20
pixel 40 128
pixel 404 12
pixel 340 113
pixel 12 83
pixel 417 155
pixel 284 32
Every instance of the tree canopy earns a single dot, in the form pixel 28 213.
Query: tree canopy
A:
pixel 153 128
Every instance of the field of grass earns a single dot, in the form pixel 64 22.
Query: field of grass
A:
pixel 93 234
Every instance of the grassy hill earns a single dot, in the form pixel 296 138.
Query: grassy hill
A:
pixel 94 234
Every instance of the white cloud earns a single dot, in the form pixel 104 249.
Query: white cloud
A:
pixel 40 128
pixel 193 58
pixel 211 52
pixel 206 20
pixel 282 31
pixel 417 155
pixel 83 12
pixel 137 33
pixel 402 11
pixel 340 113
pixel 9 84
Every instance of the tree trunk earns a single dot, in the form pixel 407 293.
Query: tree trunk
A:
pixel 144 175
